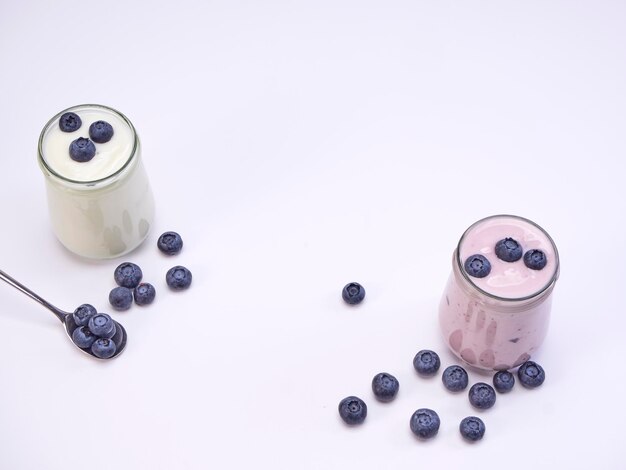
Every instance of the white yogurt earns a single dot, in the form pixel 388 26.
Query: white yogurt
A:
pixel 102 208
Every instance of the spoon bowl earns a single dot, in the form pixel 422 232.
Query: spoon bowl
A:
pixel 119 339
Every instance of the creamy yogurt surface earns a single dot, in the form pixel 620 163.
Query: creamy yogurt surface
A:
pixel 511 280
pixel 110 156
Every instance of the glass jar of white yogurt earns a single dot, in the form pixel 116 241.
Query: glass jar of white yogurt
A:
pixel 103 207
pixel 496 318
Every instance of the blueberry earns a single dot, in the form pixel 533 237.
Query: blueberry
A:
pixel 70 122
pixel 170 243
pixel 144 293
pixel 121 298
pixel 503 381
pixel 455 378
pixel 535 259
pixel 82 150
pixel 472 428
pixel 352 410
pixel 118 336
pixel 83 313
pixel 102 325
pixel 128 275
pixel 101 132
pixel 353 293
pixel 178 278
pixel 531 374
pixel 426 362
pixel 508 250
pixel 385 387
pixel 482 395
pixel 103 348
pixel 477 266
pixel 83 337
pixel 425 423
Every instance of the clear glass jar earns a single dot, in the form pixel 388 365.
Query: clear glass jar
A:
pixel 498 323
pixel 102 208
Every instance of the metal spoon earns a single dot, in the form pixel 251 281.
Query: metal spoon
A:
pixel 67 318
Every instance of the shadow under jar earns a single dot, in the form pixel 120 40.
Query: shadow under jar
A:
pixel 498 321
pixel 103 207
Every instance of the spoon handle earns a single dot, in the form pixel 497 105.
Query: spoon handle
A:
pixel 60 314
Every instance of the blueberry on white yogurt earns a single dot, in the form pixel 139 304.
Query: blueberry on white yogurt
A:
pixel 70 122
pixel 101 132
pixel 82 150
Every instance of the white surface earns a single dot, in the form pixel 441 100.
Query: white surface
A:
pixel 297 147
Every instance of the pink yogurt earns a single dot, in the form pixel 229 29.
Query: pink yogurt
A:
pixel 497 322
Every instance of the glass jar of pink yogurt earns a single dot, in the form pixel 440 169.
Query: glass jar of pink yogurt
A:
pixel 496 318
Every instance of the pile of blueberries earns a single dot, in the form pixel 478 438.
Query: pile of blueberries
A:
pixel 128 277
pixel 424 423
pixel 96 333
pixel 83 149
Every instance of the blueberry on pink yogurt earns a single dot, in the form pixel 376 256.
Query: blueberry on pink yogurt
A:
pixel 494 311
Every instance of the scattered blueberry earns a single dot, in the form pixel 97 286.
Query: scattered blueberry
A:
pixel 508 250
pixel 385 386
pixel 472 428
pixel 121 298
pixel 102 325
pixel 103 348
pixel 425 423
pixel 170 243
pixel 535 259
pixel 83 313
pixel 82 150
pixel 70 122
pixel 455 378
pixel 353 293
pixel 178 278
pixel 128 275
pixel 101 132
pixel 426 362
pixel 352 410
pixel 83 337
pixel 503 381
pixel 482 395
pixel 144 293
pixel 531 374
pixel 477 266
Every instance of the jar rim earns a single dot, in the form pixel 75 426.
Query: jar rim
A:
pixel 545 289
pixel 88 183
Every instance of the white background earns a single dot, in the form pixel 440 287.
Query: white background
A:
pixel 298 146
